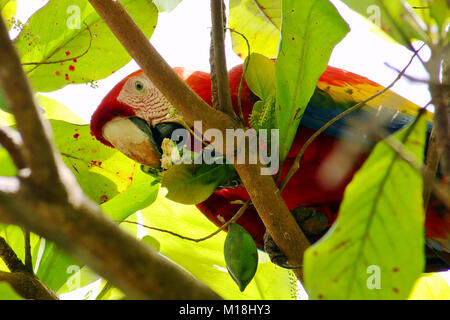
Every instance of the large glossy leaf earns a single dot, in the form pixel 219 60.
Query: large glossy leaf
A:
pixel 375 249
pixel 260 22
pixel 205 259
pixel 62 31
pixel 311 28
pixel 391 17
pixel 102 172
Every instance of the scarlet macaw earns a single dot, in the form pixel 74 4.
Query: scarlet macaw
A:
pixel 133 118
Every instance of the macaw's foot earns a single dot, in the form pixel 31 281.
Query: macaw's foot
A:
pixel 312 222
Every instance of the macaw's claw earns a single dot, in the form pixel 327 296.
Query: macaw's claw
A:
pixel 312 222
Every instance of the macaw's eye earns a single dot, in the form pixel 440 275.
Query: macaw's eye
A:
pixel 139 85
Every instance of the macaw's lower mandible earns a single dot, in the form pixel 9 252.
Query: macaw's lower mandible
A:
pixel 136 119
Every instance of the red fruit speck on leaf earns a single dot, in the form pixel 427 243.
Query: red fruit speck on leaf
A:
pixel 75 60
pixel 58 73
pixel 395 290
pixel 67 53
pixel 72 68
pixel 67 77
pixel 76 135
pixel 103 198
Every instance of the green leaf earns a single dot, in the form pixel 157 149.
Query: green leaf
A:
pixel 51 109
pixel 241 256
pixel 260 76
pixel 15 238
pixel 166 5
pixel 260 22
pixel 440 11
pixel 311 29
pixel 192 184
pixel 62 30
pixel 392 18
pixel 263 116
pixel 205 259
pixel 363 255
pixel 78 278
pixel 56 266
pixel 8 10
pixel 58 111
pixel 7 292
pixel 101 171
pixel 139 195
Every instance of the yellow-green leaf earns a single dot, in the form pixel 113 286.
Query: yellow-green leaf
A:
pixel 375 249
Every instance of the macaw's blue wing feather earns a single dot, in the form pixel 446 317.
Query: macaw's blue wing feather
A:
pixel 337 90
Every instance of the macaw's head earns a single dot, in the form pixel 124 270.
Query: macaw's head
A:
pixel 133 118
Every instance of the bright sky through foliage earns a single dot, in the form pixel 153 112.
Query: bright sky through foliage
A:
pixel 182 37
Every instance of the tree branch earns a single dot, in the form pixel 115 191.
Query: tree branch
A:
pixel 35 133
pixel 262 188
pixel 28 286
pixel 221 97
pixel 25 283
pixel 441 101
pixel 51 203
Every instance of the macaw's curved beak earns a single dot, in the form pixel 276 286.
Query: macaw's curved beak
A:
pixel 139 141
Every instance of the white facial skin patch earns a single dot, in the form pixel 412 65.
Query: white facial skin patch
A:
pixel 147 101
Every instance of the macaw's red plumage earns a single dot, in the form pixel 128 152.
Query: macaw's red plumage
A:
pixel 136 97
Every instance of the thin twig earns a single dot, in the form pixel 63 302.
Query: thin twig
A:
pixel 296 165
pixel 66 59
pixel 414 79
pixel 241 83
pixel 28 258
pixel 238 214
